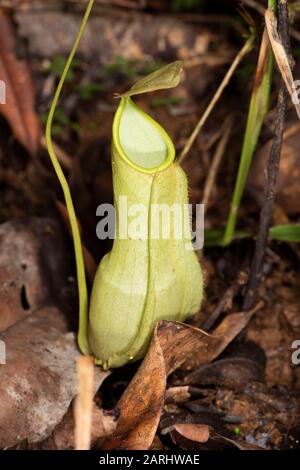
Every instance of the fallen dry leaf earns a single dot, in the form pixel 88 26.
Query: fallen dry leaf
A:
pixel 173 345
pixel 231 372
pixel 141 405
pixel 177 394
pixel 281 55
pixel 34 268
pixel 193 432
pixel 20 97
pixel 38 381
pixel 185 436
pixel 62 437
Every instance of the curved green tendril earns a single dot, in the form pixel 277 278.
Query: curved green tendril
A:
pixel 81 278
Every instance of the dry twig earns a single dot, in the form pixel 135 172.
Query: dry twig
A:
pixel 281 55
pixel 272 172
pixel 84 403
pixel 239 57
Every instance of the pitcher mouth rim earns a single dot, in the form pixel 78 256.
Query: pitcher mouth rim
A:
pixel 116 140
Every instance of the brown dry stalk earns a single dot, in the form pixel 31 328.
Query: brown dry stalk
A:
pixel 281 55
pixel 272 172
pixel 261 10
pixel 84 403
pixel 19 109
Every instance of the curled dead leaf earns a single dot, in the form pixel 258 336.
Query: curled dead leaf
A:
pixel 281 56
pixel 32 273
pixel 173 345
pixel 193 432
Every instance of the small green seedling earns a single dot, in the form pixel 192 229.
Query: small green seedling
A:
pixel 141 280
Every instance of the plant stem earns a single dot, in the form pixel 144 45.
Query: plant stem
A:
pixel 239 57
pixel 272 172
pixel 258 108
pixel 81 278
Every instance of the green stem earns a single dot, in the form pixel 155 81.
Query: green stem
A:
pixel 258 109
pixel 81 278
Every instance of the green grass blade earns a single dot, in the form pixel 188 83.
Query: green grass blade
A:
pixel 214 237
pixel 286 233
pixel 258 108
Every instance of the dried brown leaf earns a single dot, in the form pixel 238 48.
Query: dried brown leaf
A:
pixel 193 432
pixel 173 345
pixel 20 96
pixel 177 394
pixel 33 268
pixel 215 440
pixel 281 56
pixel 38 381
pixel 103 424
pixel 140 406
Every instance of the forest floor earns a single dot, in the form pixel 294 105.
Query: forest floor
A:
pixel 242 389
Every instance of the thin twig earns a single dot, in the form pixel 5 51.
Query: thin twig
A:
pixel 217 158
pixel 272 172
pixel 84 403
pixel 241 54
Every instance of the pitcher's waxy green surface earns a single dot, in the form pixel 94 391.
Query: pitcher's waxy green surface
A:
pixel 142 281
pixel 139 281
